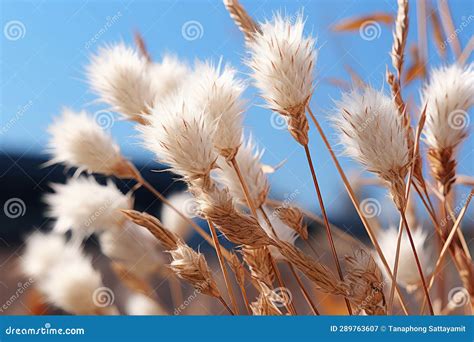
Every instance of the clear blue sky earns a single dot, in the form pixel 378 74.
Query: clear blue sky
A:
pixel 42 71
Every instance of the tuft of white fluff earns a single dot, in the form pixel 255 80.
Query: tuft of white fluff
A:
pixel 84 205
pixel 132 246
pixel 249 160
pixel 41 252
pixel 167 76
pixel 181 138
pixel 217 93
pixel 407 270
pixel 283 232
pixel 372 133
pixel 71 283
pixel 77 140
pixel 119 75
pixel 185 203
pixel 282 60
pixel 449 94
pixel 138 304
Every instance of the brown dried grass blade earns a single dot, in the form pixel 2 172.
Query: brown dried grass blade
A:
pixel 241 18
pixel 355 23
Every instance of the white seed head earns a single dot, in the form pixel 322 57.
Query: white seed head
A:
pixel 372 133
pixel 282 60
pixel 42 250
pixel 407 270
pixel 217 93
pixel 119 75
pixel 449 94
pixel 138 304
pixel 167 76
pixel 181 139
pixel 85 206
pixel 186 204
pixel 77 140
pixel 249 160
pixel 134 247
pixel 71 282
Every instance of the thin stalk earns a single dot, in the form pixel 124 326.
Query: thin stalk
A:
pixel 245 187
pixel 418 264
pixel 225 305
pixel 303 290
pixel 217 247
pixel 246 299
pixel 353 198
pixel 326 222
pixel 448 242
pixel 269 223
pixel 402 210
pixel 289 306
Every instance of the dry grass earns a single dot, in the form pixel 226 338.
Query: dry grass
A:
pixel 261 232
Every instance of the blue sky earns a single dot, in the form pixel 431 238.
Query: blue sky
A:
pixel 42 70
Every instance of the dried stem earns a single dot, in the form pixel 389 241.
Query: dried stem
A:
pixel 419 129
pixel 241 18
pixel 245 187
pixel 418 264
pixel 222 264
pixel 225 305
pixel 353 198
pixel 326 222
pixel 447 243
pixel 303 290
pixel 448 26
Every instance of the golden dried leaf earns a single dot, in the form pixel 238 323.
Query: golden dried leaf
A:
pixel 355 23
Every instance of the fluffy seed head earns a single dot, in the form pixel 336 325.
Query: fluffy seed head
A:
pixel 249 160
pixel 167 77
pixel 185 203
pixel 448 95
pixel 282 61
pixel 407 271
pixel 138 304
pixel 77 140
pixel 192 267
pixel 132 246
pixel 86 206
pixel 119 75
pixel 71 283
pixel 41 252
pixel 181 139
pixel 218 94
pixel 372 132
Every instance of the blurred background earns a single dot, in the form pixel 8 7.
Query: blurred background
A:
pixel 45 46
